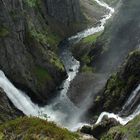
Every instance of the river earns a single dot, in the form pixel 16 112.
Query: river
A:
pixel 61 110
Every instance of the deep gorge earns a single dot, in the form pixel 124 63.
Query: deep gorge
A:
pixel 61 63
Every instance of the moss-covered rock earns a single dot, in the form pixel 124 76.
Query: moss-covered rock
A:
pixel 130 132
pixel 100 129
pixel 3 32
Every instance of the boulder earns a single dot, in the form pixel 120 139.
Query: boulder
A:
pixel 100 129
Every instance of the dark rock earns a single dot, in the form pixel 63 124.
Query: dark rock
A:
pixel 64 11
pixel 88 83
pixel 7 109
pixel 71 70
pixel 65 16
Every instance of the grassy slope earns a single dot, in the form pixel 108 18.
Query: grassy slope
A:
pixel 34 129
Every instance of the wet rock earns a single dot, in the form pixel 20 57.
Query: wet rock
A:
pixel 71 70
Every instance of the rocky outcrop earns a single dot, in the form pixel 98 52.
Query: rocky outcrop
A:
pixel 100 129
pixel 7 109
pixel 28 49
pixel 129 132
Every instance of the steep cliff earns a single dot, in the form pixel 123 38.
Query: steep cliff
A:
pixel 65 16
pixel 28 49
pixel 120 86
pixel 66 12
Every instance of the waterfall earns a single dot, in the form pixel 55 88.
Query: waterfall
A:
pixel 123 120
pixel 132 100
pixel 61 110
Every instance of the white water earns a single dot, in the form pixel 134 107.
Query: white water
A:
pixel 100 27
pixel 62 110
pixel 131 98
pixel 122 120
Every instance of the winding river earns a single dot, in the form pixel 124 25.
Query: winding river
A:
pixel 61 110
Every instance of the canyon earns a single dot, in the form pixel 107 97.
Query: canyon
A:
pixel 71 62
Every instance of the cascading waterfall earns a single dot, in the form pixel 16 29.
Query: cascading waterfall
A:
pixel 132 101
pixel 123 120
pixel 62 110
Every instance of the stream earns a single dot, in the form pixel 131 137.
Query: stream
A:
pixel 61 110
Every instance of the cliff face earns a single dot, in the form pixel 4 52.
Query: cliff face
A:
pixel 64 11
pixel 28 48
pixel 65 16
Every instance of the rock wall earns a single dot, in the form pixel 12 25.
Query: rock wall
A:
pixel 64 11
pixel 65 16
pixel 28 49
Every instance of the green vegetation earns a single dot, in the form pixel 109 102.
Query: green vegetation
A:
pixel 113 91
pixel 42 74
pixel 31 3
pixel 29 128
pixel 86 59
pixel 43 36
pixel 87 69
pixel 54 59
pixel 130 131
pixel 91 38
pixel 3 31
